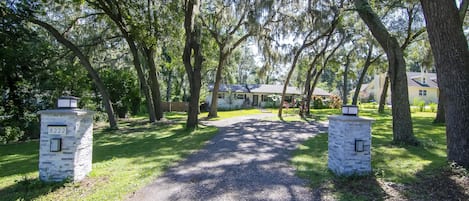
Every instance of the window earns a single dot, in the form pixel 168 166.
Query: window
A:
pixel 221 95
pixel 422 92
pixel 240 96
pixel 265 98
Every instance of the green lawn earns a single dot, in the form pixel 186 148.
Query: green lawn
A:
pixel 123 161
pixel 233 113
pixel 406 165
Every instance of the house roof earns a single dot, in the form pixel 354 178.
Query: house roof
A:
pixel 320 92
pixel 265 88
pixel 273 89
pixel 230 87
pixel 414 80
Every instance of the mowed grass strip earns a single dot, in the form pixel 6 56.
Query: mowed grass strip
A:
pixel 398 170
pixel 123 161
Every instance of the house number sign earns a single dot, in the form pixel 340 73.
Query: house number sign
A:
pixel 57 130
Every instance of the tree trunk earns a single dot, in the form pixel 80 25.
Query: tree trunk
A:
pixel 309 93
pixel 315 82
pixel 402 122
pixel 362 76
pixel 384 94
pixel 87 64
pixel 287 80
pixel 141 77
pixel 192 48
pixel 169 81
pixel 115 15
pixel 450 50
pixel 345 89
pixel 440 112
pixel 154 84
pixel 216 86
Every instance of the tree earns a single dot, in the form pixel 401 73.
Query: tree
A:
pixel 86 63
pixel 311 36
pixel 121 18
pixel 227 23
pixel 192 58
pixel 369 60
pixel 402 122
pixel 451 54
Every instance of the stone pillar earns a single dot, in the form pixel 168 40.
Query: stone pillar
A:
pixel 349 145
pixel 66 141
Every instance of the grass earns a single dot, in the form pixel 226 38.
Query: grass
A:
pixel 392 164
pixel 123 161
pixel 232 113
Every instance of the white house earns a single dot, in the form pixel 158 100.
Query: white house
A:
pixel 255 95
pixel 421 85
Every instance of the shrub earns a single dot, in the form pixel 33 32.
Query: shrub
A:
pixel 419 103
pixel 433 107
pixel 317 103
pixel 10 134
pixel 335 102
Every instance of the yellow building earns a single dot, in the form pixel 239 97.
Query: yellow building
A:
pixel 421 85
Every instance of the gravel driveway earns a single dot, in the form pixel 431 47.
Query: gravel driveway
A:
pixel 247 160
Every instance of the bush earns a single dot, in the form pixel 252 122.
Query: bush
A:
pixel 433 107
pixel 317 103
pixel 10 134
pixel 100 116
pixel 335 102
pixel 419 103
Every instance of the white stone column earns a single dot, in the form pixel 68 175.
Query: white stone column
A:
pixel 346 154
pixel 73 130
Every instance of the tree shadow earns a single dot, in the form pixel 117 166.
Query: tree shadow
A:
pixel 245 161
pixel 29 189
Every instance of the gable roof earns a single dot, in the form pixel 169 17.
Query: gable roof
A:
pixel 272 89
pixel 413 80
pixel 320 92
pixel 264 88
pixel 239 88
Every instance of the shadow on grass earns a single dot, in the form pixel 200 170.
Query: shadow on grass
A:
pixel 311 162
pixel 400 171
pixel 446 183
pixel 136 140
pixel 19 158
pixel 29 189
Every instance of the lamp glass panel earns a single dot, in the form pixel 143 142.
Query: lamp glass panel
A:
pixel 344 110
pixel 63 103
pixel 73 103
pixel 353 110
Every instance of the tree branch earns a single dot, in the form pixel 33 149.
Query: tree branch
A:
pixel 78 18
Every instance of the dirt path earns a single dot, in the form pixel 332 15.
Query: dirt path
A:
pixel 247 160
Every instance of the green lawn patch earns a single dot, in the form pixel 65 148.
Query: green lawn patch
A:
pixel 123 161
pixel 401 167
pixel 233 113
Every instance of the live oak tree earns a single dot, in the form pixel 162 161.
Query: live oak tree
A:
pixel 321 21
pixel 402 122
pixel 450 50
pixel 192 58
pixel 227 23
pixel 119 14
pixel 84 60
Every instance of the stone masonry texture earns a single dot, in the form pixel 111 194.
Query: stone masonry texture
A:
pixel 342 157
pixel 73 161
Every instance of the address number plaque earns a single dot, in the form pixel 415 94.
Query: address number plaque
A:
pixel 57 130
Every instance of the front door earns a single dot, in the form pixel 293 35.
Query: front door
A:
pixel 254 100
